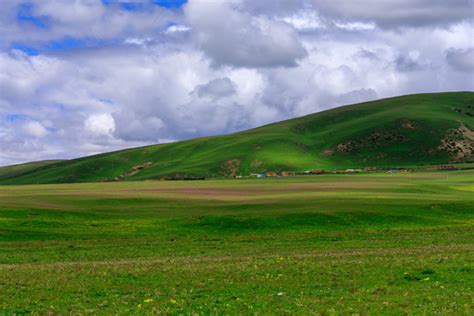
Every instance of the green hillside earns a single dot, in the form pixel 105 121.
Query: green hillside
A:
pixel 22 168
pixel 402 131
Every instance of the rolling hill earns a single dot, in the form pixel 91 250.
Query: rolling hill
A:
pixel 15 170
pixel 401 131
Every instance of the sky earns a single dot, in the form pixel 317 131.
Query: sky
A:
pixel 81 77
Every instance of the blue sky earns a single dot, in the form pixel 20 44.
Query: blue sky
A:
pixel 84 77
pixel 26 15
pixel 141 5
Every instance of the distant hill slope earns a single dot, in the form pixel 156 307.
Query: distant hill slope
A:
pixel 402 131
pixel 22 168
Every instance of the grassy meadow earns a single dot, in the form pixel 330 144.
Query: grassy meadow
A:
pixel 330 244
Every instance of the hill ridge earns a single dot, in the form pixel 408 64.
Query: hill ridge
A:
pixel 417 129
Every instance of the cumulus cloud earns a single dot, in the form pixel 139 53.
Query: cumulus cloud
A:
pixel 177 29
pixel 134 127
pixel 304 20
pixel 233 37
pixel 100 124
pixel 49 20
pixel 273 7
pixel 398 13
pixel 156 75
pixel 461 59
pixel 216 88
pixel 34 129
pixel 410 62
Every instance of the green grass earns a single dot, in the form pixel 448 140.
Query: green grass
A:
pixel 331 244
pixel 20 169
pixel 293 145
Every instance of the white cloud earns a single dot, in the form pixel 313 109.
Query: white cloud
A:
pixel 177 29
pixel 138 41
pixel 356 26
pixel 216 88
pixel 304 20
pixel 398 13
pixel 81 19
pixel 232 37
pixel 100 124
pixel 35 129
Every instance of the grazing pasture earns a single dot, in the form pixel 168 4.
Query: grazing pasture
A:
pixel 329 244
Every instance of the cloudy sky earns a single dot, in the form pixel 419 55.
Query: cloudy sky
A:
pixel 79 77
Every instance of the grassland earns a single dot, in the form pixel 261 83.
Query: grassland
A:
pixel 330 244
pixel 20 169
pixel 402 131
